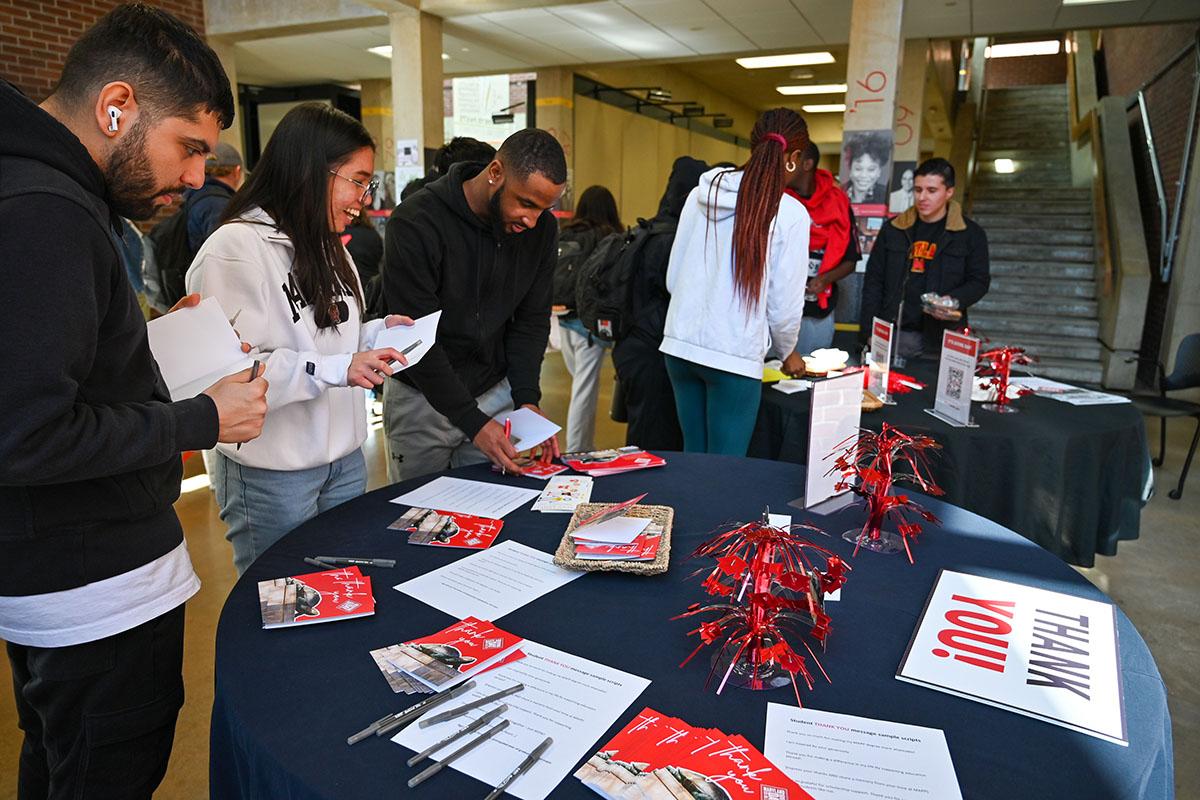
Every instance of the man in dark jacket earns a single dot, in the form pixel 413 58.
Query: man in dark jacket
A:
pixel 931 247
pixel 641 370
pixel 479 244
pixel 222 177
pixel 95 569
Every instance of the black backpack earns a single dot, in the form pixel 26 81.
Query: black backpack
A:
pixel 604 298
pixel 575 244
pixel 172 253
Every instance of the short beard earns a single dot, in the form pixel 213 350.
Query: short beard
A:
pixel 131 189
pixel 494 213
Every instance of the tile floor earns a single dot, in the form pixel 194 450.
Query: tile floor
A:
pixel 1156 580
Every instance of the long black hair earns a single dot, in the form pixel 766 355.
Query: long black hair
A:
pixel 598 208
pixel 291 183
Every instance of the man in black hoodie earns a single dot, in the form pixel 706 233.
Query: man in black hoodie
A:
pixel 480 244
pixel 95 569
pixel 641 369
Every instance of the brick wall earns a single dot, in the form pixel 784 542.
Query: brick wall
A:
pixel 1003 73
pixel 35 36
pixel 1131 56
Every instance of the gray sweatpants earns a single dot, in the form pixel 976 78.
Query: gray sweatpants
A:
pixel 420 440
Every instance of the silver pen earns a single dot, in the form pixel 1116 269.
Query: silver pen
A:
pixel 474 726
pixel 474 704
pixel 521 769
pixel 434 769
pixel 407 713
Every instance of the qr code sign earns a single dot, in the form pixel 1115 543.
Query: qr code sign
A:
pixel 349 606
pixel 774 793
pixel 954 383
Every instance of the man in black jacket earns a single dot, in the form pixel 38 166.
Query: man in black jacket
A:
pixel 931 247
pixel 95 569
pixel 480 244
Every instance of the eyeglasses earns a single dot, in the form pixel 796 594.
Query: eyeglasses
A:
pixel 369 188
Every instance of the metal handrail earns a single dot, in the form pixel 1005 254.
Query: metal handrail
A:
pixel 1169 231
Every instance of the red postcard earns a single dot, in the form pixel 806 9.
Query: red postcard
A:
pixel 426 526
pixel 598 463
pixel 643 548
pixel 316 597
pixel 451 656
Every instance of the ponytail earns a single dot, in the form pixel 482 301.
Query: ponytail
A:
pixel 777 132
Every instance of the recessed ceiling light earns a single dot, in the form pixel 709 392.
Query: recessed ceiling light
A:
pixel 1049 47
pixel 787 60
pixel 824 108
pixel 1090 2
pixel 445 56
pixel 465 49
pixel 1005 166
pixel 812 88
pixel 384 50
pixel 801 74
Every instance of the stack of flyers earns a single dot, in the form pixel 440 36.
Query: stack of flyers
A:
pixel 447 528
pixel 316 597
pixel 535 468
pixel 564 493
pixel 448 657
pixel 656 756
pixel 644 546
pixel 598 463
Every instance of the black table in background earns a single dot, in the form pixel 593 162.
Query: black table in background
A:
pixel 286 700
pixel 1070 478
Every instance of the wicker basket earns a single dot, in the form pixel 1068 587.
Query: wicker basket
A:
pixel 663 515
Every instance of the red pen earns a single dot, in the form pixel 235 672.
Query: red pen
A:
pixel 508 436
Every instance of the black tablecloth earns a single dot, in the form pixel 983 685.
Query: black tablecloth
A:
pixel 287 699
pixel 1071 478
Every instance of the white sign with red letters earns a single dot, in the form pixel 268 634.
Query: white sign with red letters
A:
pixel 1047 655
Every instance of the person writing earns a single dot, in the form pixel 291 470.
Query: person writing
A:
pixel 931 247
pixel 737 279
pixel 279 265
pixel 479 244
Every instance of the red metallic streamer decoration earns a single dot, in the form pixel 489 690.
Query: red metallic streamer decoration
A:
pixel 995 365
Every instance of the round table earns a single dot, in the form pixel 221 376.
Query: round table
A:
pixel 1070 478
pixel 286 700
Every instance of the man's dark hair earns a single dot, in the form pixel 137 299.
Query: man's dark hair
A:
pixel 461 148
pixel 172 71
pixel 533 150
pixel 811 153
pixel 937 166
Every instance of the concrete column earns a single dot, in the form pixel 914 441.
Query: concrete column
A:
pixel 556 115
pixel 416 40
pixel 872 74
pixel 910 104
pixel 1183 303
pixel 377 117
pixel 225 52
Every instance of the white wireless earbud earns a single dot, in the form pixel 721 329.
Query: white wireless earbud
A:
pixel 114 114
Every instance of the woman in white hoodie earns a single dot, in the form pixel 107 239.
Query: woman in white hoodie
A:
pixel 279 268
pixel 736 276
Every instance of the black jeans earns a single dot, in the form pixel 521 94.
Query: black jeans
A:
pixel 99 718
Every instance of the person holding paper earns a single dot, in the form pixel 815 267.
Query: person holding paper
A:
pixel 278 264
pixel 478 243
pixel 96 570
pixel 737 277
pixel 931 247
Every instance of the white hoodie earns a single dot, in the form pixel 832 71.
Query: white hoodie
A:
pixel 313 417
pixel 707 322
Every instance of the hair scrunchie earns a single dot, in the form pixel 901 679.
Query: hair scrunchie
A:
pixel 776 137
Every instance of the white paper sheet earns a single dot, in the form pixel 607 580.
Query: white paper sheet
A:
pixel 529 428
pixel 490 583
pixel 791 386
pixel 477 498
pixel 1075 395
pixel 621 530
pixel 568 698
pixel 400 337
pixel 195 348
pixel 564 493
pixel 841 757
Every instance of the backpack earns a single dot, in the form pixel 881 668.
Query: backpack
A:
pixel 604 297
pixel 172 255
pixel 575 244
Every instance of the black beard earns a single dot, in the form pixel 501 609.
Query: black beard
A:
pixel 131 189
pixel 494 213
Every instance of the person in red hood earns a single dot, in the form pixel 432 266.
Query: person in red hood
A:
pixel 832 248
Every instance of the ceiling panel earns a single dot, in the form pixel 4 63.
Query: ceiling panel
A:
pixel 1013 16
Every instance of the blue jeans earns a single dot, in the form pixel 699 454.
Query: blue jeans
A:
pixel 815 334
pixel 717 409
pixel 261 505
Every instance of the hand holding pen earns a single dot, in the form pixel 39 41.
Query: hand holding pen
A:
pixel 241 401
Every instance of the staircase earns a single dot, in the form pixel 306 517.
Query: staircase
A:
pixel 1040 236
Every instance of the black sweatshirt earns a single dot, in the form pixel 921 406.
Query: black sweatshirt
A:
pixel 90 442
pixel 493 290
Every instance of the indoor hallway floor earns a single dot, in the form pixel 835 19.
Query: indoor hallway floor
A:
pixel 1155 580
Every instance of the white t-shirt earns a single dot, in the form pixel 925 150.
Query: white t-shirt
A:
pixel 101 609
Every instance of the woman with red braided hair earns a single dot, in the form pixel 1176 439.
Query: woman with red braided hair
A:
pixel 736 276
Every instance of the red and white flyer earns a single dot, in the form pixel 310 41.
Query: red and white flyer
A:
pixel 450 656
pixel 427 526
pixel 316 597
pixel 598 463
pixel 643 548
